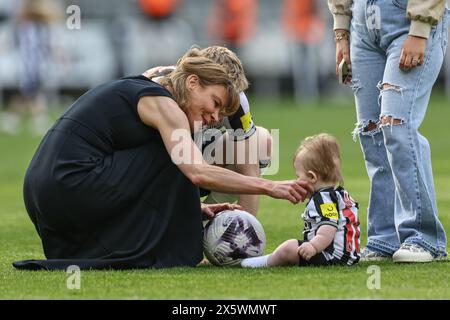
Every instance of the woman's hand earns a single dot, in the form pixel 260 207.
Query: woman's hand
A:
pixel 413 52
pixel 292 190
pixel 210 210
pixel 306 251
pixel 342 52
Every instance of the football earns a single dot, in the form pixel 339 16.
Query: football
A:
pixel 231 236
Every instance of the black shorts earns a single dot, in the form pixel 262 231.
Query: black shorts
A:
pixel 317 260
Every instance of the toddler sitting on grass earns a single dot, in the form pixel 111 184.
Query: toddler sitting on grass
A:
pixel 331 232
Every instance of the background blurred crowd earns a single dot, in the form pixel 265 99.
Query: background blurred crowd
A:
pixel 286 46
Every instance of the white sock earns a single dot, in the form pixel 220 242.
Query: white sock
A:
pixel 256 262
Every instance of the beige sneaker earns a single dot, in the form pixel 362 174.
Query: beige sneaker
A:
pixel 409 252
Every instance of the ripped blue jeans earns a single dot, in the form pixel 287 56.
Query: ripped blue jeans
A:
pixel 402 205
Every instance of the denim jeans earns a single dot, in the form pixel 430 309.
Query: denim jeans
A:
pixel 402 205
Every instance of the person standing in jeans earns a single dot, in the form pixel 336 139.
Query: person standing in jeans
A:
pixel 395 49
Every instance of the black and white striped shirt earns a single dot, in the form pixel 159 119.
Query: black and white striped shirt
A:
pixel 240 122
pixel 334 206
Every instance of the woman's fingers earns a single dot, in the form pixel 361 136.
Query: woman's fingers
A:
pixel 417 60
pixel 290 193
pixel 408 60
pixel 208 212
pixel 229 206
pixel 296 194
pixel 413 53
pixel 300 190
pixel 292 199
pixel 304 187
pixel 235 206
pixel 221 207
pixel 401 63
pixel 292 190
pixel 342 52
pixel 414 62
pixel 215 208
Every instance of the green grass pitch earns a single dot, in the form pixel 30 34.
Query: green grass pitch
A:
pixel 18 239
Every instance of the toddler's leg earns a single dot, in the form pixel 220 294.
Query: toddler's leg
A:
pixel 285 254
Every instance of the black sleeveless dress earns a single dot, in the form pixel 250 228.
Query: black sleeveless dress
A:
pixel 103 192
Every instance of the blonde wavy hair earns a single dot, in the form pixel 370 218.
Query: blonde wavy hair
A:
pixel 208 73
pixel 322 157
pixel 230 61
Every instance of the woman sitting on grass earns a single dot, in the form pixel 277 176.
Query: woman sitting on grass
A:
pixel 114 183
pixel 331 233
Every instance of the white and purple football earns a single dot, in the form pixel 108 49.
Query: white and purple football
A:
pixel 231 236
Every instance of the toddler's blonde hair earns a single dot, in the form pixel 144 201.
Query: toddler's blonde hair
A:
pixel 322 156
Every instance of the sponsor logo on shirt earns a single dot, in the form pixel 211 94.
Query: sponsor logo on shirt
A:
pixel 329 210
pixel 246 120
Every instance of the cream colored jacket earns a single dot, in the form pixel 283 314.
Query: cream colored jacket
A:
pixel 422 13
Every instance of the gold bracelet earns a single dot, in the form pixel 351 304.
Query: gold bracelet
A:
pixel 341 35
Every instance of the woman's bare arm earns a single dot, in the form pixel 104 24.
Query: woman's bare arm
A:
pixel 163 114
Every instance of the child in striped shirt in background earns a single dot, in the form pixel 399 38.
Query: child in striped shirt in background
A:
pixel 331 232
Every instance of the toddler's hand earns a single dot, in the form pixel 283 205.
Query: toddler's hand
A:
pixel 150 73
pixel 307 251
